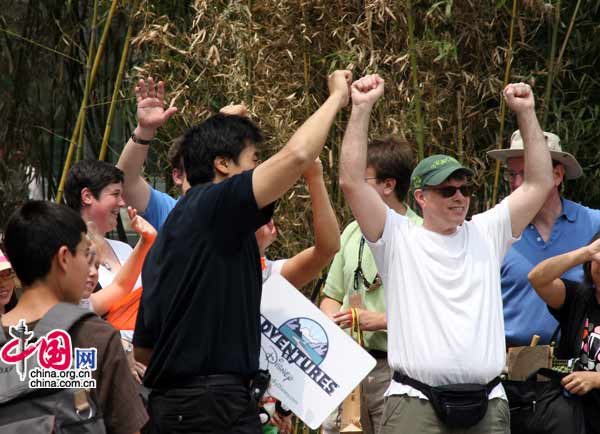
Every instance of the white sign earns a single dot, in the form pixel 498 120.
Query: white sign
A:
pixel 313 363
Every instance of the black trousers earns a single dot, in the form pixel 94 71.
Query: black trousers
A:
pixel 203 409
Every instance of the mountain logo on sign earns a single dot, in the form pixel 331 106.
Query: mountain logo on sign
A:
pixel 307 335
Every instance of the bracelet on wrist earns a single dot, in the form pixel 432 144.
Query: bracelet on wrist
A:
pixel 140 141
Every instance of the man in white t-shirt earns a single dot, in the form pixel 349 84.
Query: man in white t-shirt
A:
pixel 442 279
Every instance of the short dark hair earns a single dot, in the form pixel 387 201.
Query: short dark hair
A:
pixel 392 157
pixel 218 136
pixel 93 174
pixel 34 234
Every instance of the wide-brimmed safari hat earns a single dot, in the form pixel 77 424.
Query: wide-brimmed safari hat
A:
pixel 572 168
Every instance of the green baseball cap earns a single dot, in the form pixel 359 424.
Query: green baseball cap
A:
pixel 436 169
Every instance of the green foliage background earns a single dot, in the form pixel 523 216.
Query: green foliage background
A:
pixel 275 56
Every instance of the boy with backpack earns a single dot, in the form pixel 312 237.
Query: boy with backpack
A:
pixel 50 253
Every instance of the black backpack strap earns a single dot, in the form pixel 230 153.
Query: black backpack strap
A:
pixel 61 316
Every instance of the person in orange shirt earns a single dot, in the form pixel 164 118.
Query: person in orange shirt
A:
pixel 120 300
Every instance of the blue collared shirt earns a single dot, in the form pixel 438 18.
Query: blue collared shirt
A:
pixel 525 313
pixel 159 206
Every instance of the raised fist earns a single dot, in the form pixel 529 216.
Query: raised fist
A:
pixel 367 90
pixel 519 97
pixel 339 84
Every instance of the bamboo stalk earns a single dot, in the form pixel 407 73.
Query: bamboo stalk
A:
pixel 567 36
pixel 509 55
pixel 370 32
pixel 79 154
pixel 415 83
pixel 459 128
pixel 117 86
pixel 97 59
pixel 551 65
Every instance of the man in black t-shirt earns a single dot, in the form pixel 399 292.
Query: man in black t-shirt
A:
pixel 198 322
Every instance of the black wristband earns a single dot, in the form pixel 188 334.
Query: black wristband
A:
pixel 139 141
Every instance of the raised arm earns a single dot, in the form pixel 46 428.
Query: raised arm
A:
pixel 545 277
pixel 368 208
pixel 151 116
pixel 276 175
pixel 127 275
pixel 525 202
pixel 306 265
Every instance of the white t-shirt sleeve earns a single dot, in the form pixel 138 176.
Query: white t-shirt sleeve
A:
pixel 496 225
pixel 382 249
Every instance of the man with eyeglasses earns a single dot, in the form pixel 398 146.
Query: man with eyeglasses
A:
pixel 353 280
pixel 442 279
pixel 559 227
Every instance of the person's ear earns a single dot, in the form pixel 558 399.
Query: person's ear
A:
pixel 87 197
pixel 419 196
pixel 62 258
pixel 222 165
pixel 558 173
pixel 178 176
pixel 389 184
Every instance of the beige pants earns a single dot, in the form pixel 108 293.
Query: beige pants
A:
pixel 371 405
pixel 408 415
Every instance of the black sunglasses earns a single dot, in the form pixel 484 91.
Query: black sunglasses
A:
pixel 450 190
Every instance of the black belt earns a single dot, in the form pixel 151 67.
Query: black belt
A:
pixel 217 380
pixel 378 354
